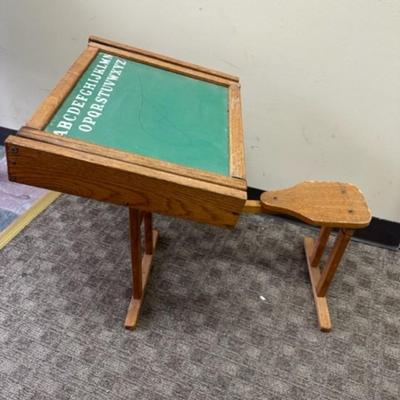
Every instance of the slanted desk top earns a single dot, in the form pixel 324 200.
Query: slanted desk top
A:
pixel 136 128
pixel 146 110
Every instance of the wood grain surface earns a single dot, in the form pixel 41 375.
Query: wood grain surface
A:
pixel 342 239
pixel 237 161
pixel 331 204
pixel 135 304
pixel 321 303
pixel 319 246
pixel 135 222
pixel 253 207
pixel 89 175
pixel 163 64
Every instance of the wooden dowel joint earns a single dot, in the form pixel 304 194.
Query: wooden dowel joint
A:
pixel 252 207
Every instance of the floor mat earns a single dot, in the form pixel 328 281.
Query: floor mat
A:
pixel 19 204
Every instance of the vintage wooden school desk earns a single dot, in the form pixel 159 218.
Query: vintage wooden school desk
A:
pixel 142 130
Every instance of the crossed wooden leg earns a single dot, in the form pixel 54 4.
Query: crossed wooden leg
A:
pixel 140 266
pixel 321 279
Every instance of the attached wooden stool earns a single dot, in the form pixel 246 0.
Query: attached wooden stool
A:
pixel 328 205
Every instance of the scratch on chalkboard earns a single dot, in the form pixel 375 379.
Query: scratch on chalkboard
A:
pixel 141 105
pixel 161 113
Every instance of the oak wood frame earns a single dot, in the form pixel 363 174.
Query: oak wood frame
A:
pixel 89 175
pixel 224 211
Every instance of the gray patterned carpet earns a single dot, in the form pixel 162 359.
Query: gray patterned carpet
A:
pixel 204 333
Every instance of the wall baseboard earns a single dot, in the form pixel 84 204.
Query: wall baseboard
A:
pixel 380 232
pixel 4 132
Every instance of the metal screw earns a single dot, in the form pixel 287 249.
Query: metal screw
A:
pixel 14 150
pixel 351 211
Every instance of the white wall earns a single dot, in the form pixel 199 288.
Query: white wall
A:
pixel 320 78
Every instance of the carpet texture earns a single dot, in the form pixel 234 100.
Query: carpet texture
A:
pixel 205 332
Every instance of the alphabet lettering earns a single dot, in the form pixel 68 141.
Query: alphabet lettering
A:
pixel 93 95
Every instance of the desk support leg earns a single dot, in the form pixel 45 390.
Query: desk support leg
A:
pixel 148 233
pixel 135 221
pixel 321 303
pixel 141 267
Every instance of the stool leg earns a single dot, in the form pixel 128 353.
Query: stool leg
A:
pixel 320 281
pixel 320 245
pixel 332 264
pixel 321 305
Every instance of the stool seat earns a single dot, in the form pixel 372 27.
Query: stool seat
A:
pixel 329 204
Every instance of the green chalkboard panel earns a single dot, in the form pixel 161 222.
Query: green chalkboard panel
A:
pixel 149 111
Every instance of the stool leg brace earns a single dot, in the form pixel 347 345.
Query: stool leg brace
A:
pixel 321 278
